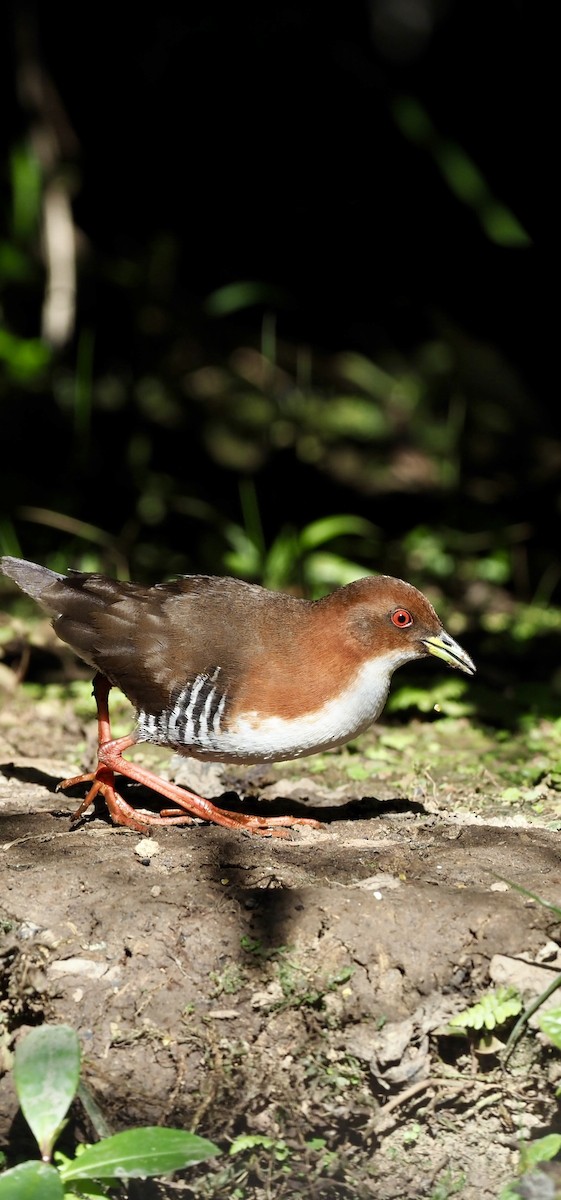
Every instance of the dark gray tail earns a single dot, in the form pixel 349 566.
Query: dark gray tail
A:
pixel 30 577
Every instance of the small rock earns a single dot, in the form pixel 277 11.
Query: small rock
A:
pixel 146 848
pixel 273 994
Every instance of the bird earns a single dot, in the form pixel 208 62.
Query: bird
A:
pixel 228 671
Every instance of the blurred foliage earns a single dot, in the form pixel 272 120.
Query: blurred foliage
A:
pixel 177 433
pixel 244 459
pixel 151 455
pixel 296 559
pixel 462 175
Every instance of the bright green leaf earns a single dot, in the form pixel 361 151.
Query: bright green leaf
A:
pixel 326 528
pixel 362 418
pixel 280 560
pixel 31 1181
pixel 542 1150
pixel 46 1073
pixel 139 1153
pixel 323 568
pixel 493 1009
pixel 24 357
pixel 251 1141
pixel 449 696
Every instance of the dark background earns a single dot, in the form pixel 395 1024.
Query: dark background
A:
pixel 381 171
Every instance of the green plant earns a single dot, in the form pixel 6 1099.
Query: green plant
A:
pixel 411 1134
pixel 294 556
pixel 255 1141
pixel 493 1009
pixel 303 1160
pixel 460 172
pixel 46 1076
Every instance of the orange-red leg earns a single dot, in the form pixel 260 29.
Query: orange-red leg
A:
pixel 110 760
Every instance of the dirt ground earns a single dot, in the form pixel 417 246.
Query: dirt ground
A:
pixel 294 990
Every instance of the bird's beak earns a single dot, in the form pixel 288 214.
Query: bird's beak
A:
pixel 443 646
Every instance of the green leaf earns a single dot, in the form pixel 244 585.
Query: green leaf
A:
pixel 24 357
pixel 234 297
pixel 358 772
pixel 251 1141
pixel 31 1181
pixel 493 1009
pixel 321 568
pixel 448 696
pixel 26 180
pixel 327 528
pixel 246 555
pixel 46 1073
pixel 501 225
pixel 550 1024
pixel 361 418
pixel 278 567
pixel 138 1153
pixel 366 375
pixel 542 1150
pixel 86 1191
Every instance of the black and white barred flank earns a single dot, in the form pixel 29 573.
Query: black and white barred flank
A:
pixel 194 720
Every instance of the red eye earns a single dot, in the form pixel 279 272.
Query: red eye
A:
pixel 402 618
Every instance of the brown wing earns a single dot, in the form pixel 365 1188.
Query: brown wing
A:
pixel 152 641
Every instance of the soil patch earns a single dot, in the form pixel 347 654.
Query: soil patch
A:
pixel 294 990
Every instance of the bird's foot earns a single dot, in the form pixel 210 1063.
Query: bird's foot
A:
pixel 190 805
pixel 121 813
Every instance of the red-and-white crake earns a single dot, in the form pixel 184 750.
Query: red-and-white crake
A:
pixel 227 671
